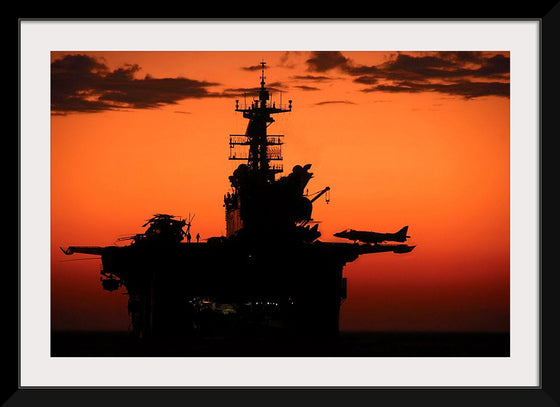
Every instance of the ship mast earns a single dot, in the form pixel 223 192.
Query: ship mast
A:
pixel 262 148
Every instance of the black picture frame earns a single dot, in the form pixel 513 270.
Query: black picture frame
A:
pixel 547 394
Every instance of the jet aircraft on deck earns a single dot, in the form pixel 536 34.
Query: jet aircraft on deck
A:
pixel 373 237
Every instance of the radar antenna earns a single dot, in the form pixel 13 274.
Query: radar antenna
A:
pixel 256 146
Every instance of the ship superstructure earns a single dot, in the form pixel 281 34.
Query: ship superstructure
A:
pixel 259 204
pixel 270 270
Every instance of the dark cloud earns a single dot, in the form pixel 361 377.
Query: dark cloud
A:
pixel 462 56
pixel 288 59
pixel 322 61
pixel 497 65
pixel 406 67
pixel 468 74
pixel 366 80
pixel 80 83
pixel 412 63
pixel 465 89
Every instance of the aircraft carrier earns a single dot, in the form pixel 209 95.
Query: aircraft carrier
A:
pixel 270 272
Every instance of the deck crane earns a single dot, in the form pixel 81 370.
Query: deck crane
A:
pixel 321 193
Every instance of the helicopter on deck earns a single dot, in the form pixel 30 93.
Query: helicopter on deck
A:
pixel 163 228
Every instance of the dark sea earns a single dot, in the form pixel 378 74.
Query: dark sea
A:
pixel 346 344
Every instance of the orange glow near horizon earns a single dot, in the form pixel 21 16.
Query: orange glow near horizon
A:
pixel 429 158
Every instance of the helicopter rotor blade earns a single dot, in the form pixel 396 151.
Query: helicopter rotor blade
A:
pixel 89 258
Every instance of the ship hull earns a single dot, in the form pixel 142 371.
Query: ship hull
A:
pixel 295 289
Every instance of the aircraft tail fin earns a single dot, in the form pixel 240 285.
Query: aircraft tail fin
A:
pixel 67 251
pixel 401 234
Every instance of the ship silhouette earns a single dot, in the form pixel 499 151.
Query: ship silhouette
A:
pixel 269 272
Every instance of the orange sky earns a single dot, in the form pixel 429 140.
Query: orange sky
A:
pixel 418 139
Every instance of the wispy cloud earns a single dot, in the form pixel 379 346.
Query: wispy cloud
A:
pixel 271 87
pixel 331 102
pixel 252 68
pixel 306 88
pixel 315 78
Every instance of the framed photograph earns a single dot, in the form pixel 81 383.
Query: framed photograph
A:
pixel 386 173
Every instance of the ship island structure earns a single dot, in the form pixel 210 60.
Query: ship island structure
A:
pixel 268 273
